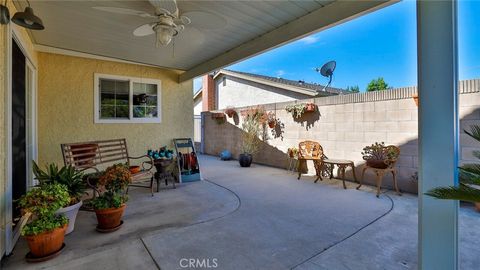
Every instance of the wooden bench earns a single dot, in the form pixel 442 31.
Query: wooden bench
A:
pixel 97 155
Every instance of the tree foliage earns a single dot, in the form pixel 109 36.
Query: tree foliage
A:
pixel 353 89
pixel 378 84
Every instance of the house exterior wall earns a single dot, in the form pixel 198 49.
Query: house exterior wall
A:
pixel 346 124
pixel 66 106
pixel 24 40
pixel 239 93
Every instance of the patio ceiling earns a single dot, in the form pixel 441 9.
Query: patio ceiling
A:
pixel 251 27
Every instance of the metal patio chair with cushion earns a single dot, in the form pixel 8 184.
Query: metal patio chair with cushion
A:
pixel 97 155
pixel 380 172
pixel 310 150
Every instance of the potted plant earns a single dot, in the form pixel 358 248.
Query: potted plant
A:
pixel 469 177
pixel 45 230
pixel 230 112
pixel 253 119
pixel 69 177
pixel 271 120
pixel 378 155
pixel 110 204
pixel 296 110
pixel 292 152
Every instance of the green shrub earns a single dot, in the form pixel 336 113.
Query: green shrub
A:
pixel 114 181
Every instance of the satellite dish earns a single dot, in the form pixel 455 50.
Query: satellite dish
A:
pixel 327 71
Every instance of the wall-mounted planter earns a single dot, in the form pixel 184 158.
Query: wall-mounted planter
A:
pixel 415 98
pixel 219 117
pixel 310 107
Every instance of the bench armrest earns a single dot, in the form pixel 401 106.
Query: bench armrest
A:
pixel 148 162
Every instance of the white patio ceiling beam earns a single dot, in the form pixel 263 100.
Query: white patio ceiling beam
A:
pixel 323 18
pixel 437 132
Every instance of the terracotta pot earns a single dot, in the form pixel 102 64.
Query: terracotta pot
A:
pixel 477 206
pixel 109 218
pixel 415 98
pixel 375 163
pixel 134 169
pixel 310 107
pixel 44 244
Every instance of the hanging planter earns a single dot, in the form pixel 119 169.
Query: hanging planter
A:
pixel 271 120
pixel 415 98
pixel 310 107
pixel 230 112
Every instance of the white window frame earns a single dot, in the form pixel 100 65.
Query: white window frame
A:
pixel 131 80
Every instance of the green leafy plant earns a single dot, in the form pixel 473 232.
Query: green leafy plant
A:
pixel 43 202
pixel 353 89
pixel 114 182
pixel 378 84
pixel 378 151
pixel 253 120
pixel 469 176
pixel 296 110
pixel 66 175
pixel 292 152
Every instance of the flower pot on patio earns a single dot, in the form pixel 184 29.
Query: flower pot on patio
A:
pixel 47 243
pixel 245 160
pixel 71 213
pixel 110 218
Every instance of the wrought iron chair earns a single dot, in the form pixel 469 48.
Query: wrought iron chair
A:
pixel 310 150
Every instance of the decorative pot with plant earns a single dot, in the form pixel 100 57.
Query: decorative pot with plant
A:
pixel 271 120
pixel 230 112
pixel 310 107
pixel 45 231
pixel 292 152
pixel 68 177
pixel 253 119
pixel 110 204
pixel 469 177
pixel 379 156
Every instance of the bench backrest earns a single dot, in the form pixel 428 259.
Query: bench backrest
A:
pixel 94 153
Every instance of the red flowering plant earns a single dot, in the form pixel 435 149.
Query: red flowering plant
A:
pixel 113 184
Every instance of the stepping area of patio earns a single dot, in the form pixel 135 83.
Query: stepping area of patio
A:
pixel 255 218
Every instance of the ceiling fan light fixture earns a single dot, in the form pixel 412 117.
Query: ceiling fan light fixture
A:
pixel 164 35
pixel 28 20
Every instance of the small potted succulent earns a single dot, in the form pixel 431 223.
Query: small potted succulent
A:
pixel 69 177
pixel 45 230
pixel 110 205
pixel 230 112
pixel 271 120
pixel 378 155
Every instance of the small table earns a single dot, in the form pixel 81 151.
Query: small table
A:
pixel 342 164
pixel 162 174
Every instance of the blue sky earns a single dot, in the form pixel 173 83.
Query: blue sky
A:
pixel 380 44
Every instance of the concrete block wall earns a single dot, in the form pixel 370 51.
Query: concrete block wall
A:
pixel 344 125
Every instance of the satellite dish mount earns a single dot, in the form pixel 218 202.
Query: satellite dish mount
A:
pixel 327 71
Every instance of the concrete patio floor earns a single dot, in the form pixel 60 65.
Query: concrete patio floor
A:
pixel 256 218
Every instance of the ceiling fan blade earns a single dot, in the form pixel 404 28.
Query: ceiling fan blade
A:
pixel 144 30
pixel 125 11
pixel 182 20
pixel 206 20
pixel 165 6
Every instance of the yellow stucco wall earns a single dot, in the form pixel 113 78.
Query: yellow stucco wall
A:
pixel 66 106
pixel 25 42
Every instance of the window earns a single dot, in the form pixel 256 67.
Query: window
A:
pixel 127 100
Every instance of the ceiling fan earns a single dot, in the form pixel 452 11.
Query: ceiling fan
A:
pixel 168 22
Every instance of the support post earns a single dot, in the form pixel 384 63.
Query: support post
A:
pixel 438 132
